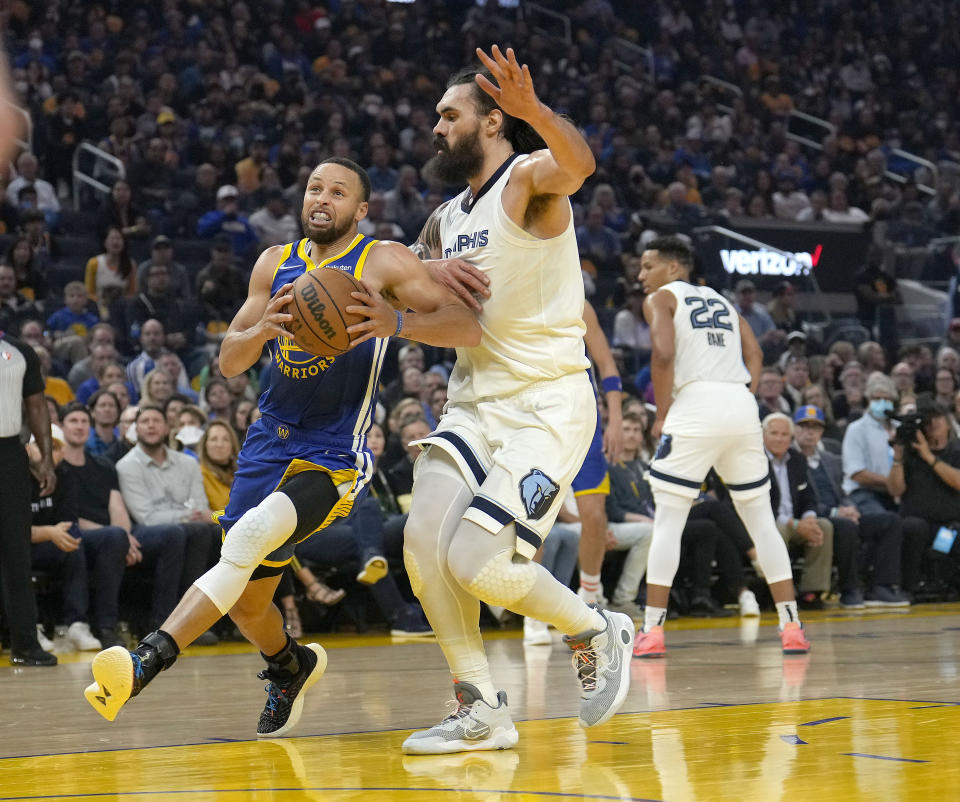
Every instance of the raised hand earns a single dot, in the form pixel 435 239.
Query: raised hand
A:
pixel 513 91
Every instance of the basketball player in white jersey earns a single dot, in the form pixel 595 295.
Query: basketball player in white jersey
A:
pixel 704 357
pixel 522 411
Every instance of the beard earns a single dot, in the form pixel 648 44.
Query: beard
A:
pixel 332 234
pixel 458 164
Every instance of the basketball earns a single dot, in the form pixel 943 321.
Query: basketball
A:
pixel 319 324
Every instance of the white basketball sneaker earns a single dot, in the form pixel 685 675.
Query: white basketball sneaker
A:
pixel 474 725
pixel 602 660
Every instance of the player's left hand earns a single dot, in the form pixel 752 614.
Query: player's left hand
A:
pixel 513 91
pixel 381 318
pixel 612 442
pixel 657 429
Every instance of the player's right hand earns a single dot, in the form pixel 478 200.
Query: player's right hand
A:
pixel 275 316
pixel 467 282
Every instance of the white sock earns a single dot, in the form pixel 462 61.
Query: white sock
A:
pixel 787 611
pixel 590 584
pixel 654 617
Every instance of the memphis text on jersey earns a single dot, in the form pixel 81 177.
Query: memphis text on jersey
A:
pixel 468 242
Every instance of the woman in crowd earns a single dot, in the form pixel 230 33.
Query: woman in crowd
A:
pixel 111 274
pixel 216 399
pixel 30 279
pixel 218 450
pixel 156 388
pixel 119 212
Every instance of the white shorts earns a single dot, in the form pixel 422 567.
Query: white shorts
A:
pixel 520 453
pixel 711 425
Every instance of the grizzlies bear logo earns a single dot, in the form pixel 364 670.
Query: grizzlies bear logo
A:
pixel 664 446
pixel 537 492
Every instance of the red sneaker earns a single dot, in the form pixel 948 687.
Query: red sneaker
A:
pixel 649 644
pixel 792 638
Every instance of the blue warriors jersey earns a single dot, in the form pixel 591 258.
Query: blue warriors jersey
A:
pixel 316 411
pixel 329 396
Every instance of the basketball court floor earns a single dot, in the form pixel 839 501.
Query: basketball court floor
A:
pixel 873 713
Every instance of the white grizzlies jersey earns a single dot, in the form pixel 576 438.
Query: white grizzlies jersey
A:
pixel 707 338
pixel 533 320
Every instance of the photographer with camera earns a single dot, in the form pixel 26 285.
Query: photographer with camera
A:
pixel 926 476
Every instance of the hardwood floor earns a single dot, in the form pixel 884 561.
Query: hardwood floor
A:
pixel 873 713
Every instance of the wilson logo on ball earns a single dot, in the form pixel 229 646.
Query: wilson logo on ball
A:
pixel 316 307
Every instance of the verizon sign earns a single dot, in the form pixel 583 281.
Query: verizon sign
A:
pixel 761 262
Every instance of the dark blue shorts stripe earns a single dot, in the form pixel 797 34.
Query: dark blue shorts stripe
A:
pixel 495 511
pixel 529 535
pixel 664 477
pixel 465 451
pixel 749 485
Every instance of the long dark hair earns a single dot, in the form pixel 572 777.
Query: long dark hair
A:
pixel 518 133
pixel 124 262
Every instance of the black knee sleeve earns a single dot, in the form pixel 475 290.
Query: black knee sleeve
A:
pixel 314 494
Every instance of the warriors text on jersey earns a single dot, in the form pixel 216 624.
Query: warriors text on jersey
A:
pixel 533 321
pixel 706 337
pixel 332 396
pixel 316 411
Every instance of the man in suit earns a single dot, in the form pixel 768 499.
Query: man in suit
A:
pixel 881 532
pixel 795 508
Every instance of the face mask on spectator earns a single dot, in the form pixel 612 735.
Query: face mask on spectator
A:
pixel 879 408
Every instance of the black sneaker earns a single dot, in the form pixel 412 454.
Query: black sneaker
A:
pixel 32 657
pixel 285 694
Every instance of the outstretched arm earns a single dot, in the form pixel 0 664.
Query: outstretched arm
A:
pixel 658 309
pixel 396 281
pixel 560 170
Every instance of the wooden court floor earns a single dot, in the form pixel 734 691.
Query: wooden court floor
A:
pixel 873 713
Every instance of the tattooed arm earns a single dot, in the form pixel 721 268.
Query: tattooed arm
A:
pixel 463 279
pixel 427 245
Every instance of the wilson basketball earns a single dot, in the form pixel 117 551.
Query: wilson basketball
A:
pixel 319 324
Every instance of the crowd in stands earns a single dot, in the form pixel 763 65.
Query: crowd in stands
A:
pixel 218 111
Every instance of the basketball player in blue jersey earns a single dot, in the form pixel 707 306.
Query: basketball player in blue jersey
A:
pixel 704 357
pixel 522 411
pixel 305 461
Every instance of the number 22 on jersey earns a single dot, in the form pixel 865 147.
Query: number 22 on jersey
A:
pixel 710 313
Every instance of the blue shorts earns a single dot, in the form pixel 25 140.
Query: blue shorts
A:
pixel 593 476
pixel 272 453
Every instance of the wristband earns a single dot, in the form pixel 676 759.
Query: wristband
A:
pixel 934 463
pixel 612 384
pixel 399 322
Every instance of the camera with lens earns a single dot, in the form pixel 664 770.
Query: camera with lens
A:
pixel 909 424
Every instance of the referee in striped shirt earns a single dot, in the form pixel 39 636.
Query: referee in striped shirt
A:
pixel 21 385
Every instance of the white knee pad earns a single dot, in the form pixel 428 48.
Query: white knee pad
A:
pixel 258 532
pixel 504 580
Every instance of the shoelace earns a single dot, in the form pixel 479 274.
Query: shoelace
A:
pixel 585 661
pixel 457 710
pixel 275 693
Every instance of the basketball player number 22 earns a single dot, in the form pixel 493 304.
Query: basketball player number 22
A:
pixel 700 317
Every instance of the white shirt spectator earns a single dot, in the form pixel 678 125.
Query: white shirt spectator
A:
pixel 46 195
